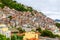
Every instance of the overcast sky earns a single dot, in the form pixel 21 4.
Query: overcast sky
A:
pixel 51 8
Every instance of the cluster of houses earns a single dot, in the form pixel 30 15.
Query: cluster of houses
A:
pixel 26 20
pixel 5 31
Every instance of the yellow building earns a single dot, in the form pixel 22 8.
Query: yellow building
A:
pixel 30 35
pixel 4 30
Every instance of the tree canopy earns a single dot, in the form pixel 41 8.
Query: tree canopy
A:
pixel 2 37
pixel 58 25
pixel 14 5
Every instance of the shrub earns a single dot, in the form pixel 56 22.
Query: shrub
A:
pixel 21 30
pixel 33 30
pixel 58 25
pixel 57 36
pixel 2 37
pixel 14 5
pixel 47 33
pixel 15 37
pixel 39 29
pixel 2 5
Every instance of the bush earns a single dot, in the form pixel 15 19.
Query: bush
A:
pixel 21 30
pixel 15 37
pixel 33 30
pixel 14 5
pixel 2 37
pixel 39 29
pixel 58 25
pixel 57 36
pixel 2 5
pixel 8 38
pixel 47 33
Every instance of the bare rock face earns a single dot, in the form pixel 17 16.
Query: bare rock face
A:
pixel 34 19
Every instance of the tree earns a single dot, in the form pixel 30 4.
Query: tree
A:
pixel 21 30
pixel 30 9
pixel 17 6
pixel 10 18
pixel 6 2
pixel 33 30
pixel 39 29
pixel 2 37
pixel 58 25
pixel 47 33
pixel 2 5
pixel 15 37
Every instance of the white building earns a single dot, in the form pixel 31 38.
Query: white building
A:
pixel 54 29
pixel 4 30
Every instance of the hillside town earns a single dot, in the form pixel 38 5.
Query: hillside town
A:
pixel 20 22
pixel 25 19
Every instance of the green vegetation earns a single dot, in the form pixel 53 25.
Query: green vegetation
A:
pixel 1 5
pixel 20 30
pixel 39 29
pixel 32 14
pixel 10 17
pixel 2 37
pixel 47 33
pixel 14 5
pixel 33 30
pixel 57 36
pixel 58 25
pixel 15 37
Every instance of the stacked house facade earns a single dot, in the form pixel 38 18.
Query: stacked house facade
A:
pixel 32 19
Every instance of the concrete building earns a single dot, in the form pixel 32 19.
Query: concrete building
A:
pixel 4 30
pixel 30 36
